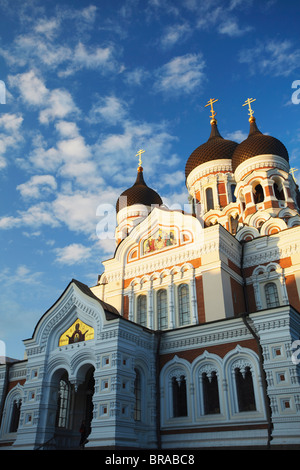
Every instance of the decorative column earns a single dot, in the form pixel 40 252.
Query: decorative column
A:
pixel 150 317
pixel 194 300
pixel 171 304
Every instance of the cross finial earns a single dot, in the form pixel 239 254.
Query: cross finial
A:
pixel 139 154
pixel 292 171
pixel 248 102
pixel 210 103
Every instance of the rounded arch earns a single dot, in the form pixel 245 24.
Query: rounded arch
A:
pixel 175 380
pixel 12 407
pixel 243 362
pixel 273 225
pixel 247 233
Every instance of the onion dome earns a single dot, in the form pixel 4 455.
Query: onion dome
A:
pixel 215 148
pixel 257 144
pixel 139 193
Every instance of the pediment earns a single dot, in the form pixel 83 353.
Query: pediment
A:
pixel 77 309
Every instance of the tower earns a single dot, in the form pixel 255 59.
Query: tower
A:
pixel 134 204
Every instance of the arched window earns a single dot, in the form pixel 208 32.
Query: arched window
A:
pixel 63 403
pixel 142 310
pixel 15 416
pixel 179 396
pixel 258 194
pixel 138 396
pixel 271 294
pixel 162 309
pixel 278 191
pixel 245 390
pixel 232 189
pixel 184 304
pixel 210 393
pixel 233 222
pixel 209 199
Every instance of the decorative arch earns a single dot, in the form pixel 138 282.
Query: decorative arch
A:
pixel 273 225
pixel 175 380
pixel 242 372
pixel 12 408
pixel 247 233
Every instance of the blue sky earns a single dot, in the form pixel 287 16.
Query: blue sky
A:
pixel 90 83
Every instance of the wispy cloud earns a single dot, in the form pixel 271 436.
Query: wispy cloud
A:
pixel 181 75
pixel 272 57
pixel 73 254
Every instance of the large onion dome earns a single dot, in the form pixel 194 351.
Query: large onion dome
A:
pixel 257 144
pixel 139 193
pixel 215 148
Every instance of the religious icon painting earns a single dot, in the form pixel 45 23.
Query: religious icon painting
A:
pixel 78 331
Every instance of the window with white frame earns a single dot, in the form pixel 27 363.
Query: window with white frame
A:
pixel 162 309
pixel 209 199
pixel 269 286
pixel 271 295
pixel 184 305
pixel 141 316
pixel 179 396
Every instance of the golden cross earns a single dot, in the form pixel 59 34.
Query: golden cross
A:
pixel 139 155
pixel 210 103
pixel 248 102
pixel 292 171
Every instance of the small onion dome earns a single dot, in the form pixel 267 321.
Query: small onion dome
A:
pixel 257 144
pixel 139 193
pixel 215 148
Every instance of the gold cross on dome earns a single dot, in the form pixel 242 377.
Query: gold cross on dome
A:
pixel 210 103
pixel 248 102
pixel 139 154
pixel 292 171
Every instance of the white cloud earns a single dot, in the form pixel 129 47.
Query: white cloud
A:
pixel 73 254
pixel 236 136
pixel 108 108
pixel 67 129
pixel 31 87
pixel 11 122
pixel 181 75
pixel 38 186
pixel 59 105
pixel 273 57
pixel 175 33
pixel 232 28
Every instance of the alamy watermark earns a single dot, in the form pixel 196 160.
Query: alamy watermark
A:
pixel 2 92
pixel 106 227
pixel 296 94
pixel 296 353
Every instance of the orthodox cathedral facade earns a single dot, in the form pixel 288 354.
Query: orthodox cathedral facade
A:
pixel 188 338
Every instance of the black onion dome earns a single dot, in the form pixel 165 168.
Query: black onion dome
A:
pixel 215 148
pixel 139 193
pixel 257 144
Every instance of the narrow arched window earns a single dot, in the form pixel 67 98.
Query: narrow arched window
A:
pixel 209 199
pixel 245 390
pixel 179 396
pixel 258 194
pixel 232 189
pixel 15 416
pixel 142 310
pixel 210 393
pixel 138 396
pixel 162 309
pixel 63 403
pixel 184 304
pixel 279 193
pixel 271 294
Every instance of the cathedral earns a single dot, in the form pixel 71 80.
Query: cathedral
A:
pixel 189 338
